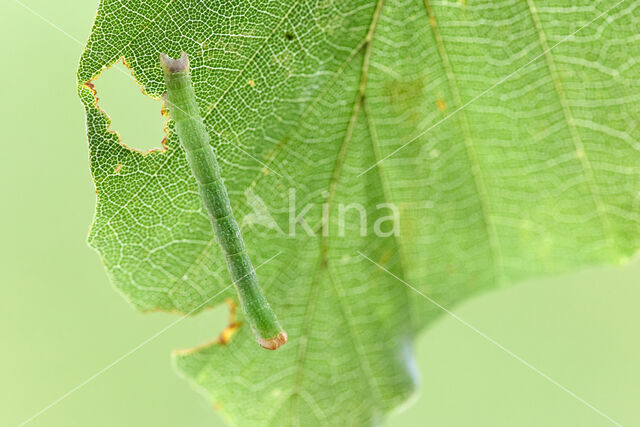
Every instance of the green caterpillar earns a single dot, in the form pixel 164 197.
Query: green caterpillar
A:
pixel 184 111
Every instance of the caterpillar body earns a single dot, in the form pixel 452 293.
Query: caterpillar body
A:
pixel 183 109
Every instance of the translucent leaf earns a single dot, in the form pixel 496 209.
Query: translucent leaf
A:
pixel 504 133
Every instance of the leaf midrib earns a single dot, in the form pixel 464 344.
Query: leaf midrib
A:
pixel 324 241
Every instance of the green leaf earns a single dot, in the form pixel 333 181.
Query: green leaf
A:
pixel 523 161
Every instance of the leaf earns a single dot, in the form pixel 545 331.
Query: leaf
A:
pixel 523 161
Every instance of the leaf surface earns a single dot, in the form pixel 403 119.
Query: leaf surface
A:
pixel 523 161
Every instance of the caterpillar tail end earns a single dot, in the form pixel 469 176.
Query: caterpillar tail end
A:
pixel 275 342
pixel 170 65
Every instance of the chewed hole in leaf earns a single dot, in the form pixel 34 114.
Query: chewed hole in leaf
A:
pixel 135 116
pixel 222 318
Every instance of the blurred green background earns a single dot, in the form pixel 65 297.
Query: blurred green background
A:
pixel 62 322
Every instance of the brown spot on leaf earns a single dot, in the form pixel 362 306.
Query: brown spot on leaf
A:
pixel 164 110
pixel 251 83
pixel 441 104
pixel 90 85
pixel 118 168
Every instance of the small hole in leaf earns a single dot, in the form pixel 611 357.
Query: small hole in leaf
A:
pixel 134 115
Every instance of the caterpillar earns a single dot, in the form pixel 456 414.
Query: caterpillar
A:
pixel 184 111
